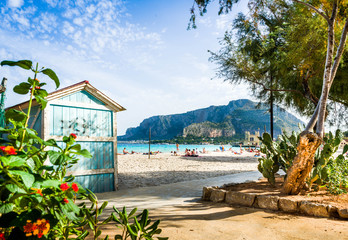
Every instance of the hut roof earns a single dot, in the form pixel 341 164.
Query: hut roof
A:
pixel 84 85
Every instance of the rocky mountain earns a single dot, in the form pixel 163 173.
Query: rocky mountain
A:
pixel 210 129
pixel 227 120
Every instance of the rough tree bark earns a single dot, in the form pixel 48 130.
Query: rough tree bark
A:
pixel 309 141
pixel 303 163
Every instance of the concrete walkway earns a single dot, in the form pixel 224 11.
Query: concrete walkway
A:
pixel 170 194
pixel 183 217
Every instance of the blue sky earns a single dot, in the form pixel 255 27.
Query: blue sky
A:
pixel 139 53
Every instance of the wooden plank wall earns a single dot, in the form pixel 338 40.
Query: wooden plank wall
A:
pixel 94 124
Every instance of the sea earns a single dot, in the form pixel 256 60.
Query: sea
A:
pixel 167 148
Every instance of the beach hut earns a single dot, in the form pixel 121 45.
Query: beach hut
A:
pixel 91 115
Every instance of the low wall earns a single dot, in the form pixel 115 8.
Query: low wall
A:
pixel 272 202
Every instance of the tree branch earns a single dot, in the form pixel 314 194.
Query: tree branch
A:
pixel 308 93
pixel 339 51
pixel 269 89
pixel 313 119
pixel 320 12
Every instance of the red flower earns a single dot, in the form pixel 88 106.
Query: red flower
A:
pixel 73 135
pixel 2 236
pixel 64 186
pixel 65 200
pixel 9 150
pixel 75 187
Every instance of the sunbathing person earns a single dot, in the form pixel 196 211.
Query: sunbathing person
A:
pixel 125 151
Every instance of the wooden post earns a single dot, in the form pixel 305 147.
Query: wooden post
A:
pixel 149 141
pixel 114 126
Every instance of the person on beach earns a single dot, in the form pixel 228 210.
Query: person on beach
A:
pixel 125 151
pixel 204 150
pixel 177 147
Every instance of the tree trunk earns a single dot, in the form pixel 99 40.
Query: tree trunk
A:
pixel 302 164
pixel 271 108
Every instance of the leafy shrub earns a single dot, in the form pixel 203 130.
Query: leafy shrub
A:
pixel 323 156
pixel 337 175
pixel 279 155
pixel 39 200
pixel 327 170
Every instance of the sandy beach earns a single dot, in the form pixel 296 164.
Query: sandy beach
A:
pixel 136 170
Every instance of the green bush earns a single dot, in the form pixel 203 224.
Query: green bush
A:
pixel 39 200
pixel 279 155
pixel 327 170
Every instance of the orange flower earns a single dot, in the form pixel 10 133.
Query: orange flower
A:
pixel 36 79
pixel 43 226
pixel 64 186
pixel 65 200
pixel 9 150
pixel 39 228
pixel 75 187
pixel 29 228
pixel 38 191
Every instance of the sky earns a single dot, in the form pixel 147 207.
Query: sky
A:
pixel 139 53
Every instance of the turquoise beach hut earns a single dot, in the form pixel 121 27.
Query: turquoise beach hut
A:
pixel 91 115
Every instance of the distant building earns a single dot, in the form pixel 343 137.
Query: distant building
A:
pixel 252 139
pixel 343 143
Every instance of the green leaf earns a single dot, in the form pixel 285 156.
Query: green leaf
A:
pixel 132 212
pixel 16 162
pixel 40 92
pixel 98 233
pixel 68 212
pixel 154 225
pixel 103 206
pixel 41 101
pixel 55 157
pixel 26 64
pixel 23 88
pixel 107 220
pixel 50 183
pixel 28 179
pixel 130 230
pixel 15 115
pixel 76 147
pixel 84 153
pixel 14 188
pixel 345 149
pixel 144 218
pixel 52 75
pixel 4 129
pixel 83 235
pixel 6 208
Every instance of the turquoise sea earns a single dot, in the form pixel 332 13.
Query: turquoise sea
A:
pixel 167 148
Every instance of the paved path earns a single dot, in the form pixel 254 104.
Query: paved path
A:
pixel 170 194
pixel 183 217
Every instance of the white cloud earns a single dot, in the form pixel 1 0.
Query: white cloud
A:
pixel 14 3
pixel 52 3
pixel 223 22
